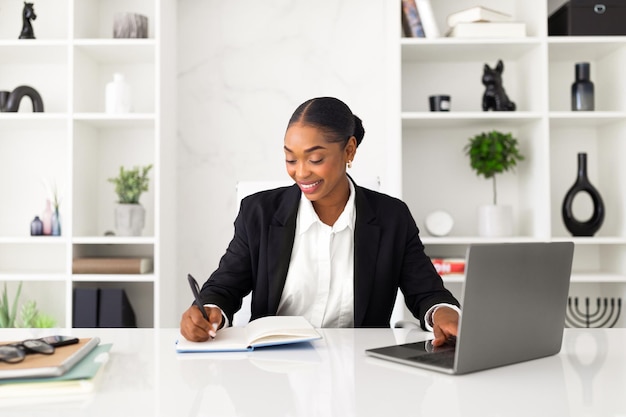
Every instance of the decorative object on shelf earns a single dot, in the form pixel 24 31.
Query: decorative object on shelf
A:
pixel 425 10
pixel 36 227
pixel 28 14
pixel 490 154
pixel 411 22
pixel 130 25
pixel 439 223
pixel 494 97
pixel 117 95
pixel 10 101
pixel 46 219
pixel 606 313
pixel 582 89
pixel 582 184
pixel 439 102
pixel 30 316
pixel 129 214
pixel 54 203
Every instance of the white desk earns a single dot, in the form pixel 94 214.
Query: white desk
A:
pixel 333 377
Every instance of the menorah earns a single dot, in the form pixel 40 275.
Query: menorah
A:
pixel 605 315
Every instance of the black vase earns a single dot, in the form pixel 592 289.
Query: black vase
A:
pixel 582 184
pixel 582 89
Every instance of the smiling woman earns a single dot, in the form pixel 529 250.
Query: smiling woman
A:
pixel 321 140
pixel 323 248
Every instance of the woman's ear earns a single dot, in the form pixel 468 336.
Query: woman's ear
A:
pixel 350 148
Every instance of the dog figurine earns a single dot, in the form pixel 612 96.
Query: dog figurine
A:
pixel 495 97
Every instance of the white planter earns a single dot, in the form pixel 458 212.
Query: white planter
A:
pixel 129 219
pixel 495 221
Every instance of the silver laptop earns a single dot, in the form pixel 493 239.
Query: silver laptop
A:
pixel 513 310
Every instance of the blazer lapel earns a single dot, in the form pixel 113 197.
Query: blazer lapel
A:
pixel 280 244
pixel 366 237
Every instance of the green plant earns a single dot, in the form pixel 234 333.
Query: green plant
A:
pixel 7 314
pixel 29 313
pixel 129 184
pixel 493 153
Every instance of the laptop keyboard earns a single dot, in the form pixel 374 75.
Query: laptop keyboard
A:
pixel 443 358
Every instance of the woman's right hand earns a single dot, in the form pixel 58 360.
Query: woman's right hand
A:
pixel 195 328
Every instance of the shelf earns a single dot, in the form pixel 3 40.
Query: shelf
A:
pixel 454 49
pixel 33 51
pixel 470 240
pixel 38 240
pixel 106 120
pixel 113 240
pixel 582 278
pixel 468 119
pixel 118 51
pixel 583 48
pixel 21 276
pixel 585 118
pixel 113 278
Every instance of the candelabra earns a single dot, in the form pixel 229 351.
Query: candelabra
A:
pixel 606 313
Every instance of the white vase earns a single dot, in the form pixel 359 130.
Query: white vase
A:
pixel 495 221
pixel 117 95
pixel 129 219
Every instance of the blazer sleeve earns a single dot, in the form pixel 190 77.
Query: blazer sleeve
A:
pixel 232 280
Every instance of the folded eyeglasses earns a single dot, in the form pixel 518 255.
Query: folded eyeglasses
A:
pixel 16 352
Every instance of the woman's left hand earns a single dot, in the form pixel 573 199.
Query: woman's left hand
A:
pixel 445 325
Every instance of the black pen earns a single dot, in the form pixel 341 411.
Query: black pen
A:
pixel 195 289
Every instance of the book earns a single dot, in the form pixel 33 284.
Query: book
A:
pixel 262 332
pixel 411 22
pixel 427 16
pixel 477 14
pixel 488 30
pixel 57 364
pixel 112 265
pixel 80 379
pixel 445 266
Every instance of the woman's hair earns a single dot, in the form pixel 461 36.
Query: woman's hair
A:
pixel 332 116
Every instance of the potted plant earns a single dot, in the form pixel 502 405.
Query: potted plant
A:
pixel 129 213
pixel 29 313
pixel 490 154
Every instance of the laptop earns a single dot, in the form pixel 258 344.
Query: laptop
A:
pixel 513 310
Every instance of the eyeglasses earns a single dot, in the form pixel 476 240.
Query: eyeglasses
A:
pixel 16 352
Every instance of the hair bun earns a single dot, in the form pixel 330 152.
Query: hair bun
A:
pixel 359 131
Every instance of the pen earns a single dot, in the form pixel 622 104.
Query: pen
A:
pixel 195 289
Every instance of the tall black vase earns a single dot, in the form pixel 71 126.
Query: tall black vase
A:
pixel 582 184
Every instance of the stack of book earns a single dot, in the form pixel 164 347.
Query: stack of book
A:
pixel 481 22
pixel 66 375
pixel 418 19
pixel 445 266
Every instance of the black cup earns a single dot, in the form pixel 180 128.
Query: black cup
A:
pixel 439 103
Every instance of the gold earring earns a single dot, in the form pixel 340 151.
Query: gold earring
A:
pixel 349 164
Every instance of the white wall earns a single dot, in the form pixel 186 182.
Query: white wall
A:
pixel 243 67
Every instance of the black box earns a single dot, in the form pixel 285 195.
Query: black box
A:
pixel 85 312
pixel 115 309
pixel 589 18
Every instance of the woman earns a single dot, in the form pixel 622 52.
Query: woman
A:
pixel 324 248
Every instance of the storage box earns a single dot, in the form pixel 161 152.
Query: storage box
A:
pixel 589 18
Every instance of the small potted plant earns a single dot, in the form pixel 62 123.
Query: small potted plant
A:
pixel 129 213
pixel 490 154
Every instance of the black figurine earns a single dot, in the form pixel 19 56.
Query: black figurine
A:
pixel 28 14
pixel 10 101
pixel 495 97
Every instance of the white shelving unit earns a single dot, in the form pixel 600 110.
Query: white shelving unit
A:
pixel 77 146
pixel 538 73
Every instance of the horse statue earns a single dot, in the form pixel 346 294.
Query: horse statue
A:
pixel 28 14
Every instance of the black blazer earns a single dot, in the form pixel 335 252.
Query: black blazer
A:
pixel 388 255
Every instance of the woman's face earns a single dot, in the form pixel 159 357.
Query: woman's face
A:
pixel 316 165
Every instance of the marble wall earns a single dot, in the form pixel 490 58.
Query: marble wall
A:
pixel 243 67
